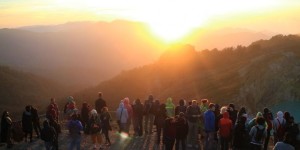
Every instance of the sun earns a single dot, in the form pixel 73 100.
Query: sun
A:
pixel 170 21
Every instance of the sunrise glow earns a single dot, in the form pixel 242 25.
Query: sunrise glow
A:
pixel 168 20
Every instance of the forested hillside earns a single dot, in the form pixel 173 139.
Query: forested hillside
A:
pixel 18 89
pixel 262 74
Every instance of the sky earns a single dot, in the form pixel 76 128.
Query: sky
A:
pixel 167 18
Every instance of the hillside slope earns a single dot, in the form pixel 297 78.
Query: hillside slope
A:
pixel 262 74
pixel 18 89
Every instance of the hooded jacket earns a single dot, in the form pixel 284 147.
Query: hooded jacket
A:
pixel 225 125
pixel 278 120
pixel 122 113
pixel 170 107
pixel 128 107
pixel 209 121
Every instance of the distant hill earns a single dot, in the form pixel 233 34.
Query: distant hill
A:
pixel 226 37
pixel 263 74
pixel 82 54
pixel 18 89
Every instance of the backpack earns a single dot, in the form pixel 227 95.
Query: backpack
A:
pixel 259 134
pixel 47 134
pixel 280 130
pixel 94 126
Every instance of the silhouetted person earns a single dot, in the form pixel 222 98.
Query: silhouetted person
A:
pixel 159 121
pixel 269 120
pixel 100 103
pixel 181 107
pixel 48 135
pixel 36 121
pixel 182 131
pixel 138 110
pixel 149 112
pixel 85 110
pixel 55 107
pixel 6 129
pixel 53 123
pixel 27 123
pixel 240 135
pixel 285 144
pixel 193 114
pixel 105 118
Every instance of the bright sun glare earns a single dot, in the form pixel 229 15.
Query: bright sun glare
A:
pixel 169 20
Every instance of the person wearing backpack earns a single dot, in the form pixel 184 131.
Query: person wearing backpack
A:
pixel 75 127
pixel 257 134
pixel 279 124
pixel 48 135
pixel 95 128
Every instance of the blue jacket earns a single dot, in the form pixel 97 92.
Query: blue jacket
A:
pixel 209 121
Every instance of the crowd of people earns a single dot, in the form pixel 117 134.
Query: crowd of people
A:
pixel 216 127
pixel 195 124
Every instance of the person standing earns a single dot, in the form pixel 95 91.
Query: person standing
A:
pixel 55 107
pixel 240 135
pixel 279 124
pixel 85 110
pixel 225 129
pixel 181 107
pixel 53 123
pixel 181 131
pixel 160 118
pixel 122 116
pixel 286 143
pixel 269 120
pixel 169 133
pixel 130 113
pixel 138 109
pixel 193 115
pixel 105 120
pixel 209 126
pixel 258 134
pixel 100 103
pixel 36 121
pixel 6 129
pixel 75 127
pixel 170 107
pixel 27 123
pixel 149 113
pixel 95 128
pixel 48 135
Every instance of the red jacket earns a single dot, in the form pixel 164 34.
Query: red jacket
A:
pixel 225 125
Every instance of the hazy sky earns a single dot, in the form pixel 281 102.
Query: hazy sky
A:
pixel 169 18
